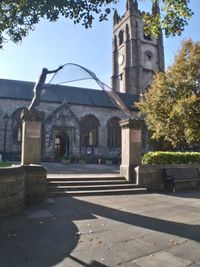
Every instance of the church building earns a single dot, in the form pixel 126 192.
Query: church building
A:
pixel 82 122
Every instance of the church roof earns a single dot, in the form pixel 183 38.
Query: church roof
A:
pixel 23 90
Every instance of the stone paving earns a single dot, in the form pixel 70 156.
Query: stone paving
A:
pixel 76 169
pixel 104 231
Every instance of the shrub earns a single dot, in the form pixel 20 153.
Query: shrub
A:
pixel 160 157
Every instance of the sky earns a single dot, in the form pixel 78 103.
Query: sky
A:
pixel 55 44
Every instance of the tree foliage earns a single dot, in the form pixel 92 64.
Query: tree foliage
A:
pixel 171 106
pixel 18 17
pixel 172 18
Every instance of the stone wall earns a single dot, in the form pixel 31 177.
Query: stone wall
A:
pixel 79 111
pixel 20 185
pixel 35 183
pixel 9 106
pixel 12 193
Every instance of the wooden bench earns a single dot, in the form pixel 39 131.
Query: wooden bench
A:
pixel 181 175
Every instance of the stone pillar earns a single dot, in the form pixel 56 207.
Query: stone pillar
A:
pixel 103 149
pixel 35 174
pixel 31 136
pixel 131 150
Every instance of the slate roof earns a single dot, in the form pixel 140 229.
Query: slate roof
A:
pixel 23 90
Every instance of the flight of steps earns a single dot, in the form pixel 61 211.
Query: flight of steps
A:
pixel 90 185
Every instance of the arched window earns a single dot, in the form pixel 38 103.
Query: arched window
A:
pixel 114 132
pixel 89 131
pixel 121 37
pixel 17 126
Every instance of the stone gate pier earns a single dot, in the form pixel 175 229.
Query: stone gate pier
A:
pixel 131 152
pixel 35 178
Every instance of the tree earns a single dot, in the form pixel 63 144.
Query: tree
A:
pixel 171 106
pixel 18 17
pixel 172 19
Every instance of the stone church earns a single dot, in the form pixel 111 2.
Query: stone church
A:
pixel 81 121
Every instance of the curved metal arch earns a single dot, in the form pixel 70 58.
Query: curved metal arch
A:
pixel 92 74
pixel 115 98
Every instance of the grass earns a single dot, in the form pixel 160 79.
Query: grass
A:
pixel 4 164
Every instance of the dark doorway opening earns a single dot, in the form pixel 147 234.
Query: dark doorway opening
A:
pixel 61 145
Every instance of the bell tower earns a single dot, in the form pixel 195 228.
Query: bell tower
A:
pixel 135 55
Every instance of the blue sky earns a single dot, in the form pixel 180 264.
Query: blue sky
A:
pixel 54 44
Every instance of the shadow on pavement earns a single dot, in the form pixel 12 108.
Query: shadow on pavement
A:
pixel 35 241
pixel 46 235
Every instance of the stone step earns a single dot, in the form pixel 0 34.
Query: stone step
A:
pixel 99 192
pixel 83 177
pixel 66 182
pixel 90 184
pixel 90 187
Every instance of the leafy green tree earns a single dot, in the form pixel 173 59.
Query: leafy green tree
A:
pixel 18 17
pixel 172 18
pixel 171 106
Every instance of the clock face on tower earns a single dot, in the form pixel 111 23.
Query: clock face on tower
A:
pixel 148 59
pixel 120 59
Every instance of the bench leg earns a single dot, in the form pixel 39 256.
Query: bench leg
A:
pixel 174 188
pixel 170 186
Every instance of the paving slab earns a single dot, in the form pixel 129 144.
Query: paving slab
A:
pixel 162 258
pixel 104 231
pixel 73 169
pixel 187 250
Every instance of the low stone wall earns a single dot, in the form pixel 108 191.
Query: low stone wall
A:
pixel 20 185
pixel 152 176
pixel 12 189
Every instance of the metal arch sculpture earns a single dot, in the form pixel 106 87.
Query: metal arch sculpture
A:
pixel 76 72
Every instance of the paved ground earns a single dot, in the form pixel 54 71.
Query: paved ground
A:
pixel 73 168
pixel 104 231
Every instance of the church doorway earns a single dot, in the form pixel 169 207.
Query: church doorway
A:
pixel 61 145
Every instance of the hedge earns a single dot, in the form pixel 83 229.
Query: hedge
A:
pixel 160 157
